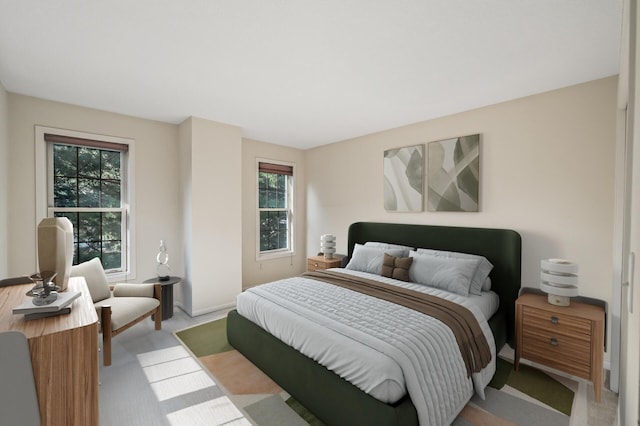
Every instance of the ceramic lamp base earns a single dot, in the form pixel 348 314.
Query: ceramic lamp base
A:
pixel 554 299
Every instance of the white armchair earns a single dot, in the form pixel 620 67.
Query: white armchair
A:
pixel 119 306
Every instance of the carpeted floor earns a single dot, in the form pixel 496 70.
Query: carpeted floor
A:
pixel 526 397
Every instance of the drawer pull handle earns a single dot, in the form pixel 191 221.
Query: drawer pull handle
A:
pixel 315 264
pixel 554 320
pixel 554 341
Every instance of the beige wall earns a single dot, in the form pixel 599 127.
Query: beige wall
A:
pixel 546 167
pixel 182 177
pixel 546 171
pixel 257 272
pixel 4 176
pixel 183 294
pixel 156 186
pixel 212 179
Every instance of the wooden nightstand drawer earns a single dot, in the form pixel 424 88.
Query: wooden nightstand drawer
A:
pixel 569 339
pixel 319 262
pixel 565 353
pixel 560 323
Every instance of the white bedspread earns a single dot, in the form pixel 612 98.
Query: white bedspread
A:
pixel 382 348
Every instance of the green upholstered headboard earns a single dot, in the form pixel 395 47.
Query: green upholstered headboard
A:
pixel 502 247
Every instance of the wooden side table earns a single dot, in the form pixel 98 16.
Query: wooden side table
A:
pixel 315 263
pixel 566 338
pixel 64 355
pixel 167 294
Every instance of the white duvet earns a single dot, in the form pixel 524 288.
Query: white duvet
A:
pixel 382 348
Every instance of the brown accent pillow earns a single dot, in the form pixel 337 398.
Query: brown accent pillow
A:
pixel 396 267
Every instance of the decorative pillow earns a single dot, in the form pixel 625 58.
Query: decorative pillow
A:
pixel 486 286
pixel 387 246
pixel 480 274
pixel 396 267
pixel 446 273
pixel 95 277
pixel 369 259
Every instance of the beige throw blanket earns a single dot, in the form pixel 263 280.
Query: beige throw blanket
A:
pixel 471 341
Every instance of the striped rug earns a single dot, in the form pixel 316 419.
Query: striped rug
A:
pixel 527 397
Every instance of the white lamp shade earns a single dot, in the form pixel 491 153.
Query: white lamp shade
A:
pixel 560 291
pixel 559 266
pixel 559 279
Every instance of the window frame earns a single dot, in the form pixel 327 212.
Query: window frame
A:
pixel 291 201
pixel 44 170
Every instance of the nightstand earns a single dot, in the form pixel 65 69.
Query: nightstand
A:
pixel 315 263
pixel 566 338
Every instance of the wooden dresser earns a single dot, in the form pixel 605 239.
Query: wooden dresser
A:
pixel 566 338
pixel 315 263
pixel 64 355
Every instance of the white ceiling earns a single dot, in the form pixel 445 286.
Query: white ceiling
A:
pixel 303 73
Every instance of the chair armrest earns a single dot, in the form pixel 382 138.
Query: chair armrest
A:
pixel 133 290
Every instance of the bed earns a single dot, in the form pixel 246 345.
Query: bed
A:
pixel 337 401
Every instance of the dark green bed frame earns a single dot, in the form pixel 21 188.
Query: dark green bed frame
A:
pixel 336 401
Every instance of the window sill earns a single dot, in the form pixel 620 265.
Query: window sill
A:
pixel 260 257
pixel 120 277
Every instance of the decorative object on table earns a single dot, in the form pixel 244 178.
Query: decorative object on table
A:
pixel 56 307
pixel 453 170
pixel 559 279
pixel 45 291
pixel 162 269
pixel 328 245
pixel 403 179
pixel 55 248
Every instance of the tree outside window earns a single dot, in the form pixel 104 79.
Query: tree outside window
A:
pixel 275 184
pixel 87 187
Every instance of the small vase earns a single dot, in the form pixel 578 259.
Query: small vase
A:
pixel 162 269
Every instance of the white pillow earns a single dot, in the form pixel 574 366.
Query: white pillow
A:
pixel 95 277
pixel 387 245
pixel 480 274
pixel 369 259
pixel 447 273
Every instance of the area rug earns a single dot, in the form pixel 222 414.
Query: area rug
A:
pixel 526 397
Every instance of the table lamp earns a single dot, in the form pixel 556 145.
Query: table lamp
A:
pixel 559 279
pixel 328 245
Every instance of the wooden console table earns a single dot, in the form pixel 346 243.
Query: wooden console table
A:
pixel 64 355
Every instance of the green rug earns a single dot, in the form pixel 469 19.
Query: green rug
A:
pixel 209 339
pixel 206 339
pixel 534 383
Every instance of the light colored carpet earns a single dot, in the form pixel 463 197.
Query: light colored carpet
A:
pixel 526 397
pixel 127 395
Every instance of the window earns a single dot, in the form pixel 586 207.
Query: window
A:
pixel 275 209
pixel 87 182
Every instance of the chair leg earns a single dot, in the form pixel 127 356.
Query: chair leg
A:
pixel 157 293
pixel 105 314
pixel 158 318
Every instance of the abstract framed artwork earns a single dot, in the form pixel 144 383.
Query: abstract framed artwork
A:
pixel 403 179
pixel 453 181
